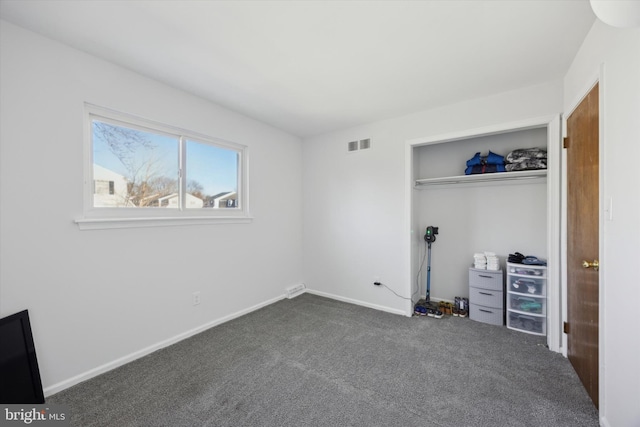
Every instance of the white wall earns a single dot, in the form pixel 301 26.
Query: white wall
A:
pixel 354 204
pixel 618 50
pixel 96 297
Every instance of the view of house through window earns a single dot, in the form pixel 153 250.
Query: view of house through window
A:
pixel 135 168
pixel 211 176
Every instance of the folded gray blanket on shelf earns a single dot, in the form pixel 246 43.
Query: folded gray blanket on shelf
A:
pixel 526 159
pixel 522 154
pixel 526 165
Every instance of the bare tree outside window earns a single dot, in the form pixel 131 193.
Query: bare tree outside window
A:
pixel 147 162
pixel 144 169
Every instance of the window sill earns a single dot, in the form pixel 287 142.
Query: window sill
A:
pixel 110 223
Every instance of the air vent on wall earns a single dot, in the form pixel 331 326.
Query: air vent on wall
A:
pixel 363 144
pixel 294 291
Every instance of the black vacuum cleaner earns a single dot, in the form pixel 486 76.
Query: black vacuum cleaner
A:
pixel 429 237
pixel 425 307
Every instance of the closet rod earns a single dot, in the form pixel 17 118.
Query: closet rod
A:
pixel 490 177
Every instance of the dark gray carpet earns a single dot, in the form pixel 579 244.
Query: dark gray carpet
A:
pixel 313 361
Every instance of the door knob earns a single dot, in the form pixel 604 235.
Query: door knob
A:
pixel 595 265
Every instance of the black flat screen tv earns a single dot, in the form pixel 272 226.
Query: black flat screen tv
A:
pixel 19 370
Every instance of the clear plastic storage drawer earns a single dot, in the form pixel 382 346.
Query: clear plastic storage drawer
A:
pixel 525 323
pixel 526 285
pixel 527 304
pixel 527 270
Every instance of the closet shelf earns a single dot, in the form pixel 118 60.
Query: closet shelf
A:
pixel 488 177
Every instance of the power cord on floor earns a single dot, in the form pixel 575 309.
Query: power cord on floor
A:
pixel 394 292
pixel 417 279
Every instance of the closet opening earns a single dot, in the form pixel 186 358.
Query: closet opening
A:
pixel 502 212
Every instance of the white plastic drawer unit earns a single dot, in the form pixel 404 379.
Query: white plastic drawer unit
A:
pixel 527 298
pixel 485 279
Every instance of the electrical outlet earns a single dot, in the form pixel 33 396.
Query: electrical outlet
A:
pixel 196 298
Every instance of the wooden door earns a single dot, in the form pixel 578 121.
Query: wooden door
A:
pixel 582 240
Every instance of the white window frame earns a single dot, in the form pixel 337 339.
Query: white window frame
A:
pixel 110 217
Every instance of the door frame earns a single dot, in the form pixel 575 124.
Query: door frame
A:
pixel 553 125
pixel 604 209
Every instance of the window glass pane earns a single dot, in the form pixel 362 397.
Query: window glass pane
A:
pixel 134 168
pixel 212 176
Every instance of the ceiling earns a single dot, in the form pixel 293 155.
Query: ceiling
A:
pixel 311 67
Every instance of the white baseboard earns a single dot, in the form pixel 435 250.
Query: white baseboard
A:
pixel 55 388
pixel 357 302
